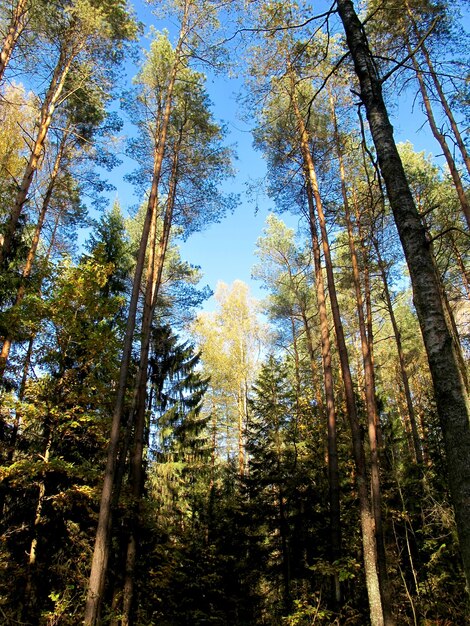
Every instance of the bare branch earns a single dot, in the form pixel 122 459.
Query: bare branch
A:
pixel 412 53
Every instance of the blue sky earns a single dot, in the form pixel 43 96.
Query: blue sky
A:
pixel 225 251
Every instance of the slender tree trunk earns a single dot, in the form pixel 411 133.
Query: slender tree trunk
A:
pixel 463 270
pixel 401 358
pixel 333 471
pixel 54 92
pixel 18 415
pixel 440 138
pixel 241 445
pixel 296 362
pixel 316 385
pixel 5 352
pixel 369 392
pixel 18 22
pixel 366 262
pixel 101 549
pixel 367 520
pixel 440 92
pixel 154 278
pixel 442 350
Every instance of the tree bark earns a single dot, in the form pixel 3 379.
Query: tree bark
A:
pixel 440 138
pixel 464 272
pixel 53 94
pixel 7 343
pixel 101 549
pixel 30 590
pixel 440 92
pixel 154 277
pixel 333 471
pixel 367 520
pixel 441 347
pixel 369 391
pixel 18 22
pixel 418 452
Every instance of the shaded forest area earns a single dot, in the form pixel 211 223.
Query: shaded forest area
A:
pixel 164 466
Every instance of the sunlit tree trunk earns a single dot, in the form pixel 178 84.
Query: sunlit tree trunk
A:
pixel 366 514
pixel 369 390
pixel 439 90
pixel 101 549
pixel 17 24
pixel 154 277
pixel 440 138
pixel 28 267
pixel 53 94
pixel 464 272
pixel 333 471
pixel 442 350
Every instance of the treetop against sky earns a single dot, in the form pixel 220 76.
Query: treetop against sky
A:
pixel 313 466
pixel 225 250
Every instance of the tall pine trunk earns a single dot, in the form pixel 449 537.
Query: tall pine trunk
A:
pixel 30 606
pixel 154 277
pixel 439 90
pixel 369 389
pixel 101 549
pixel 53 94
pixel 333 471
pixel 440 138
pixel 366 515
pixel 417 446
pixel 441 347
pixel 28 267
pixel 17 24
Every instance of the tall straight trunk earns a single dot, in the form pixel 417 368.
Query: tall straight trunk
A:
pixel 29 355
pixel 366 261
pixel 154 277
pixel 17 24
pixel 464 272
pixel 333 471
pixel 439 90
pixel 28 267
pixel 366 515
pixel 369 391
pixel 298 384
pixel 440 138
pixel 101 548
pixel 366 258
pixel 401 357
pixel 316 385
pixel 296 361
pixel 213 457
pixel 306 325
pixel 442 349
pixel 53 94
pixel 22 388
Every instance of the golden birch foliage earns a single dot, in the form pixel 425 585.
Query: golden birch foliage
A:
pixel 231 337
pixel 230 340
pixel 17 115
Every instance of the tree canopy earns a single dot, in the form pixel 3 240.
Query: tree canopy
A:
pixel 294 459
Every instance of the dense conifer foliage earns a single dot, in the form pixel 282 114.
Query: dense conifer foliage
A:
pixel 301 459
